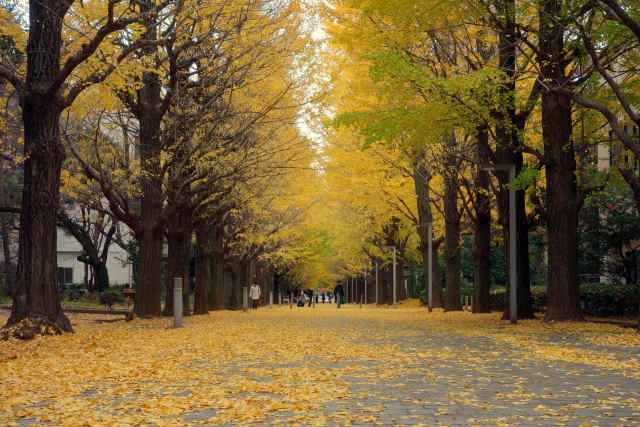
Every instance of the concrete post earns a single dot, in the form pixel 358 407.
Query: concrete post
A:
pixel 177 302
pixel 270 299
pixel 245 298
pixel 280 299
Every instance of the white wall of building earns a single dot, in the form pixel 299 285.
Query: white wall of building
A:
pixel 69 249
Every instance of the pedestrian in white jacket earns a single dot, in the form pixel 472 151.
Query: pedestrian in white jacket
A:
pixel 254 294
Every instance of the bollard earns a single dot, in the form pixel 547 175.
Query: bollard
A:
pixel 361 298
pixel 313 300
pixel 280 299
pixel 245 299
pixel 271 299
pixel 291 301
pixel 177 302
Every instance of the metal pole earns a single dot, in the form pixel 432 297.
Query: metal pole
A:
pixel 513 300
pixel 270 299
pixel 365 289
pixel 394 278
pixel 376 282
pixel 346 290
pixel 177 302
pixel 430 265
pixel 313 299
pixel 245 298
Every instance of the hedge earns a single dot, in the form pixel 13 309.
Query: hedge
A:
pixel 597 299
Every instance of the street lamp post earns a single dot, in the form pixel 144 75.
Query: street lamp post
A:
pixel 513 300
pixel 394 274
pixel 430 265
pixel 376 283
pixel 366 272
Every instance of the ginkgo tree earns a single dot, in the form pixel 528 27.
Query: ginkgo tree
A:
pixel 70 46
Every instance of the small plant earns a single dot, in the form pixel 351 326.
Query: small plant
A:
pixel 110 297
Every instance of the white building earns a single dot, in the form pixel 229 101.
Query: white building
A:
pixel 70 270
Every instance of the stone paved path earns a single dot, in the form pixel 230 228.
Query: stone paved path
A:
pixel 375 367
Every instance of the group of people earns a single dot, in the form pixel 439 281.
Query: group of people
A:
pixel 306 295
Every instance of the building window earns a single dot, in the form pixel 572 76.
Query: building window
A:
pixel 65 275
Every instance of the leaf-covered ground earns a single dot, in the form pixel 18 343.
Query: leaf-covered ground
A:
pixel 324 366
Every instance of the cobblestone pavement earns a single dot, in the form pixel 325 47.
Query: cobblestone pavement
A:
pixel 397 367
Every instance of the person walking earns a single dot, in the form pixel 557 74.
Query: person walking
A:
pixel 338 292
pixel 254 294
pixel 323 297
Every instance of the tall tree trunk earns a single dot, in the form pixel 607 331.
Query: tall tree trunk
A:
pixel 36 288
pixel 235 293
pixel 563 295
pixel 5 226
pixel 509 151
pixel 425 216
pixel 452 244
pixel 217 295
pixel 101 275
pixel 452 217
pixel 179 233
pixel 204 261
pixel 149 284
pixel 482 235
pixel 150 237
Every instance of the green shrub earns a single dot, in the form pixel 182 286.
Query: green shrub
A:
pixel 73 294
pixel 496 298
pixel 539 298
pixel 606 299
pixel 422 296
pixel 597 299
pixel 111 297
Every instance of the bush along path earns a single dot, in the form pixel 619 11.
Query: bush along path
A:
pixel 323 366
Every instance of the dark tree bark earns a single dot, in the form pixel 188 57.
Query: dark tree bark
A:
pixel 5 226
pixel 452 300
pixel 421 179
pixel 204 276
pixel 482 234
pixel 509 148
pixel 563 295
pixel 36 295
pixel 216 297
pixel 149 112
pixel 179 233
pixel 92 256
pixel 452 218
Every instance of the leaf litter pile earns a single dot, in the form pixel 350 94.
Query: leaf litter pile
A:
pixel 323 366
